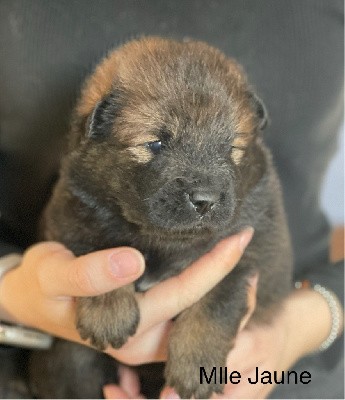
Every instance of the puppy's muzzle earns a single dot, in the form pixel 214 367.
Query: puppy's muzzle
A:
pixel 182 204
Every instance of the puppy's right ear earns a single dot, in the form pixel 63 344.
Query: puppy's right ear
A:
pixel 102 119
pixel 260 110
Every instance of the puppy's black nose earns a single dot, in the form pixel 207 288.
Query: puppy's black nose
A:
pixel 202 202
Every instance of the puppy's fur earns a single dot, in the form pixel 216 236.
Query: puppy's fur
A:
pixel 166 155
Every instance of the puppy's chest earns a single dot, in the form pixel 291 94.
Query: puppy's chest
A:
pixel 163 263
pixel 156 270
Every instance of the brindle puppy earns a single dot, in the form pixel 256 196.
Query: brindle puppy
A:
pixel 166 155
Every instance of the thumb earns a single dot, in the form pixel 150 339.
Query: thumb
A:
pixel 60 273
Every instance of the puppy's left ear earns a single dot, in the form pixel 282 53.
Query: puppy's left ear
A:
pixel 260 110
pixel 102 118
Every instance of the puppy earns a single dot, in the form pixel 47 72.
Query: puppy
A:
pixel 165 154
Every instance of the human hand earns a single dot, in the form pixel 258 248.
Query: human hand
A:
pixel 275 346
pixel 278 345
pixel 128 387
pixel 41 291
pixel 259 347
pixel 129 384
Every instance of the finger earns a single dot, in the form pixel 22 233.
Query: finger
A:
pixel 169 393
pixel 129 381
pixel 251 295
pixel 60 273
pixel 150 346
pixel 114 392
pixel 170 297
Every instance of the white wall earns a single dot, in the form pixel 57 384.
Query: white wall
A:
pixel 332 196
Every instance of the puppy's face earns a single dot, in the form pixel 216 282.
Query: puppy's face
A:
pixel 173 142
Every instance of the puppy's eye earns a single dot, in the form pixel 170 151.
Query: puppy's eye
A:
pixel 155 147
pixel 238 147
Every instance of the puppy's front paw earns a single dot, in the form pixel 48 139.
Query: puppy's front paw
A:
pixel 108 319
pixel 196 342
pixel 184 376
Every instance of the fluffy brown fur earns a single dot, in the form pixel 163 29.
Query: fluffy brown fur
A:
pixel 165 155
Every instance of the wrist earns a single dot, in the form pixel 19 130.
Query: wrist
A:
pixel 11 334
pixel 309 321
pixel 7 263
pixel 337 314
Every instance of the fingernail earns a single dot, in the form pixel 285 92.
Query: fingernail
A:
pixel 245 237
pixel 171 395
pixel 126 263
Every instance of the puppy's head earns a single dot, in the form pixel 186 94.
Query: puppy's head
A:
pixel 168 133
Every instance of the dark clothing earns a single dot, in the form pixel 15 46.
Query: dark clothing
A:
pixel 292 51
